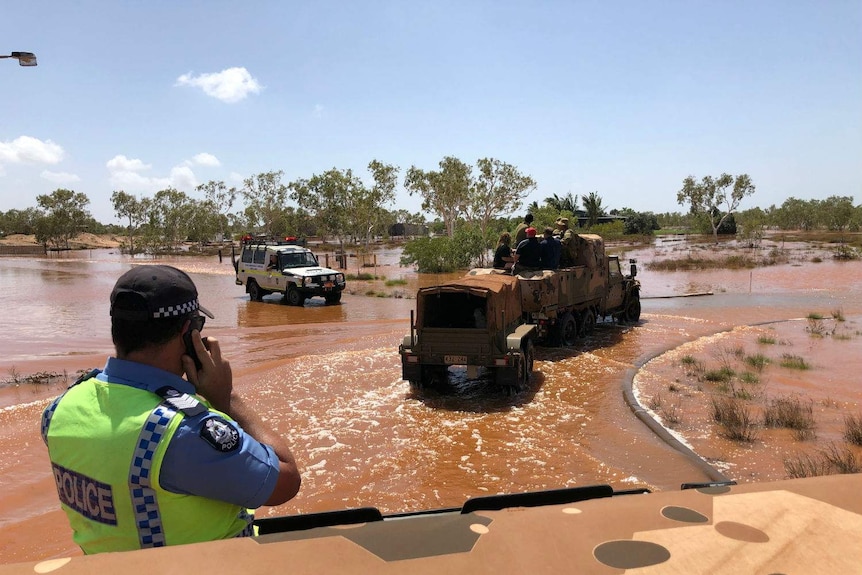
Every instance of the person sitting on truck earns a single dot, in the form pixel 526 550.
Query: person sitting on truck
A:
pixel 521 230
pixel 528 254
pixel 273 262
pixel 569 242
pixel 550 250
pixel 503 259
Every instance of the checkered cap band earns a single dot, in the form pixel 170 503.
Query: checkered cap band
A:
pixel 152 292
pixel 176 310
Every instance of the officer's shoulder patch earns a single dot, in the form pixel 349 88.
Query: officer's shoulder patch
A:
pixel 221 434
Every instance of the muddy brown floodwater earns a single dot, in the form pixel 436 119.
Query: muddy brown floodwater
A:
pixel 328 378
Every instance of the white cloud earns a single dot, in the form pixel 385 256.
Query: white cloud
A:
pixel 125 175
pixel 24 149
pixel 121 163
pixel 318 111
pixel 231 85
pixel 204 159
pixel 235 177
pixel 132 182
pixel 59 177
pixel 182 178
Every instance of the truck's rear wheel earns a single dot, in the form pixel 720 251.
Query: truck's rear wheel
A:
pixel 527 362
pixel 568 329
pixel 633 309
pixel 294 296
pixel 436 376
pixel 254 291
pixel 525 368
pixel 588 321
pixel 508 378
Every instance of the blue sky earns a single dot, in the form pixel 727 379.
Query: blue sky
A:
pixel 622 98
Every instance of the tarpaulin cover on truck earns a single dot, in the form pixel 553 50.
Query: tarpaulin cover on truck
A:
pixel 452 303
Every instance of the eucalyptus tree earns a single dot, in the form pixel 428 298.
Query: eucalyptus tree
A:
pixel 498 190
pixel 329 198
pixel 205 221
pixel 128 207
pixel 19 221
pixel 445 192
pixel 795 214
pixel 716 198
pixel 265 198
pixel 297 222
pixel 65 216
pixel 222 199
pixel 754 223
pixel 837 213
pixel 370 204
pixel 168 219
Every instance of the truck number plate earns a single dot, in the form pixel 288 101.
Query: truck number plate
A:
pixel 455 359
pixel 327 284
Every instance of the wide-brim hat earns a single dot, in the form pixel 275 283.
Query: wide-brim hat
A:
pixel 148 292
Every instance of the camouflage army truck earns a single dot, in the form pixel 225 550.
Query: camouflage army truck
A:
pixel 566 304
pixel 490 319
pixel 474 321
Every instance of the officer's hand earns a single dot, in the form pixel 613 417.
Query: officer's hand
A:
pixel 214 380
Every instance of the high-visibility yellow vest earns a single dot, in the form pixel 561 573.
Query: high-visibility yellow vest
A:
pixel 106 442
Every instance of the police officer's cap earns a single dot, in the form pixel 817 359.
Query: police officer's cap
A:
pixel 154 292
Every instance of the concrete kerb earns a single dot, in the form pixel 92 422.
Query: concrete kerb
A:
pixel 657 428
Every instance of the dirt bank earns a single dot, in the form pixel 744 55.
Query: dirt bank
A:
pixel 84 241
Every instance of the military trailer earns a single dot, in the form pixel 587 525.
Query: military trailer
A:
pixel 490 319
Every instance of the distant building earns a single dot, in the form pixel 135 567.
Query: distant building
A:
pixel 583 220
pixel 396 230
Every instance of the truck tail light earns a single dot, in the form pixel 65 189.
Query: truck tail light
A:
pixel 501 362
pixel 412 358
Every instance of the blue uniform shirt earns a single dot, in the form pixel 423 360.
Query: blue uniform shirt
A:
pixel 529 254
pixel 245 476
pixel 550 249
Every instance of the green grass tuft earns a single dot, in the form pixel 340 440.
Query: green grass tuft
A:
pixel 794 362
pixel 757 361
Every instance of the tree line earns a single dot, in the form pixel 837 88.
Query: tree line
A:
pixel 471 205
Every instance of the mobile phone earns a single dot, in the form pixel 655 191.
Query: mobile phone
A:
pixel 198 324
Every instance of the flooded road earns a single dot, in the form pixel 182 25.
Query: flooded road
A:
pixel 328 378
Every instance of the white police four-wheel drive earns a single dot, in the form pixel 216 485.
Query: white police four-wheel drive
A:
pixel 289 269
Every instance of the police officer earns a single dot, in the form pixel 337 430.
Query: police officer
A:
pixel 145 458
